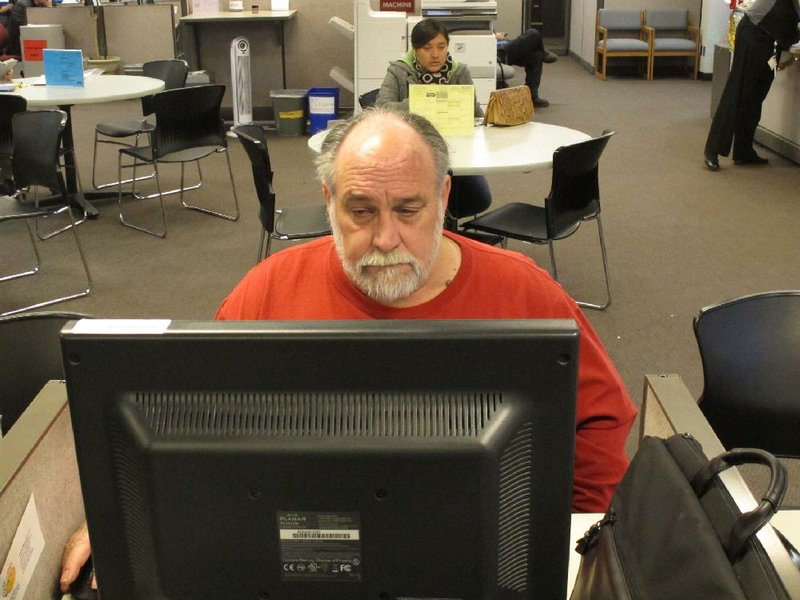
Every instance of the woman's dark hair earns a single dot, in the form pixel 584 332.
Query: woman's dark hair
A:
pixel 425 31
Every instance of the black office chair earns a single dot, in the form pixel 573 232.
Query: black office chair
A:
pixel 35 163
pixel 10 105
pixel 173 73
pixel 189 127
pixel 574 198
pixel 750 351
pixel 296 223
pixel 31 358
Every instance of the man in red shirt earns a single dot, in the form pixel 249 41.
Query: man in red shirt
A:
pixel 384 178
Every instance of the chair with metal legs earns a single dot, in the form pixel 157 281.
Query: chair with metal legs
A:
pixel 173 73
pixel 189 127
pixel 574 198
pixel 295 223
pixel 10 105
pixel 35 163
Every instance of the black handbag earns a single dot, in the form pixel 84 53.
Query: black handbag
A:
pixel 673 531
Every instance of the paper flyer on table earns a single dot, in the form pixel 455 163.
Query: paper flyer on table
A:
pixel 451 108
pixel 24 554
pixel 63 67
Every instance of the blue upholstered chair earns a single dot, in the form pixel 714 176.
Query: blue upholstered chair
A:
pixel 619 33
pixel 670 34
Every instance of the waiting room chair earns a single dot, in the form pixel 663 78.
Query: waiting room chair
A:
pixel 470 195
pixel 173 73
pixel 31 357
pixel 189 127
pixel 296 223
pixel 619 34
pixel 35 162
pixel 574 198
pixel 503 73
pixel 750 351
pixel 670 34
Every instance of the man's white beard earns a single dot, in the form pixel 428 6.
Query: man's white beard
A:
pixel 386 286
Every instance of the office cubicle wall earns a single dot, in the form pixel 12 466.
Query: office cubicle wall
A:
pixel 77 21
pixel 37 458
pixel 138 34
pixel 135 33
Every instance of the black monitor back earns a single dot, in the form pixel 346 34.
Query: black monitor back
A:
pixel 327 460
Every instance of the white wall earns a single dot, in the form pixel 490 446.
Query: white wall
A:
pixel 713 31
pixel 509 17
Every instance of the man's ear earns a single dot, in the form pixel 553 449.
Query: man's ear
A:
pixel 326 192
pixel 446 186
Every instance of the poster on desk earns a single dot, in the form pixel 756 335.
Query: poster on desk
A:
pixel 451 108
pixel 63 67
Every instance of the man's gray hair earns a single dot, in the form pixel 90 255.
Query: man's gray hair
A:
pixel 432 138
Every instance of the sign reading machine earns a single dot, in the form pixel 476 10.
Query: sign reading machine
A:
pixel 397 5
pixel 319 546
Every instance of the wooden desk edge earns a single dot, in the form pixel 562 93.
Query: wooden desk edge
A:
pixel 667 408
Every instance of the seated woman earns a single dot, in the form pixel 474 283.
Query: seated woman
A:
pixel 429 62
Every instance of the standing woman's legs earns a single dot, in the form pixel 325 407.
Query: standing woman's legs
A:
pixel 760 76
pixel 720 135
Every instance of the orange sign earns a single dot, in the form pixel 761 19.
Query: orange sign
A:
pixel 32 50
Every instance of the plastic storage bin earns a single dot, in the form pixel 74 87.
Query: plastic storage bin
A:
pixel 289 107
pixel 323 105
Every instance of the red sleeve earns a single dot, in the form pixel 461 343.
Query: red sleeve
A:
pixel 605 415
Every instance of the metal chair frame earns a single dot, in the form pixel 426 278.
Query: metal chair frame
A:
pixel 574 198
pixel 173 72
pixel 300 222
pixel 188 127
pixel 50 125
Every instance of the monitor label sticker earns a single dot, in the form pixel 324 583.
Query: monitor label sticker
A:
pixel 320 545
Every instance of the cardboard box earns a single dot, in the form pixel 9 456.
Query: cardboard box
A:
pixel 33 40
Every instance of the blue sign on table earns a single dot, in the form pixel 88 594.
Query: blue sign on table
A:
pixel 63 67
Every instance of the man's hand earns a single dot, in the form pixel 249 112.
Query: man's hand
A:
pixel 501 35
pixel 76 553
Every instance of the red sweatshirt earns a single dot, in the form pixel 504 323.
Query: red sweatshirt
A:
pixel 306 282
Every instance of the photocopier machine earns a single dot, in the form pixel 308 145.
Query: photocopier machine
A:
pixel 380 37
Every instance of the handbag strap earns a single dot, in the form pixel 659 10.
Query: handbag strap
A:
pixel 750 522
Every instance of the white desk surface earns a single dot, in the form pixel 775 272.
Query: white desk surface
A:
pixel 99 88
pixel 487 150
pixel 788 521
pixel 242 15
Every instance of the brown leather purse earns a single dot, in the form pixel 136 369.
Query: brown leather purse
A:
pixel 509 106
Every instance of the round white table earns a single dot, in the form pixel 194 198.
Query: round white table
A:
pixel 487 150
pixel 97 89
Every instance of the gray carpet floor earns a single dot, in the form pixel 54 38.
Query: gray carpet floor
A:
pixel 679 237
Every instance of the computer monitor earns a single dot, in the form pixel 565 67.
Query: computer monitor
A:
pixel 379 460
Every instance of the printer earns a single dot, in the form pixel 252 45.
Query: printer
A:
pixel 381 37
